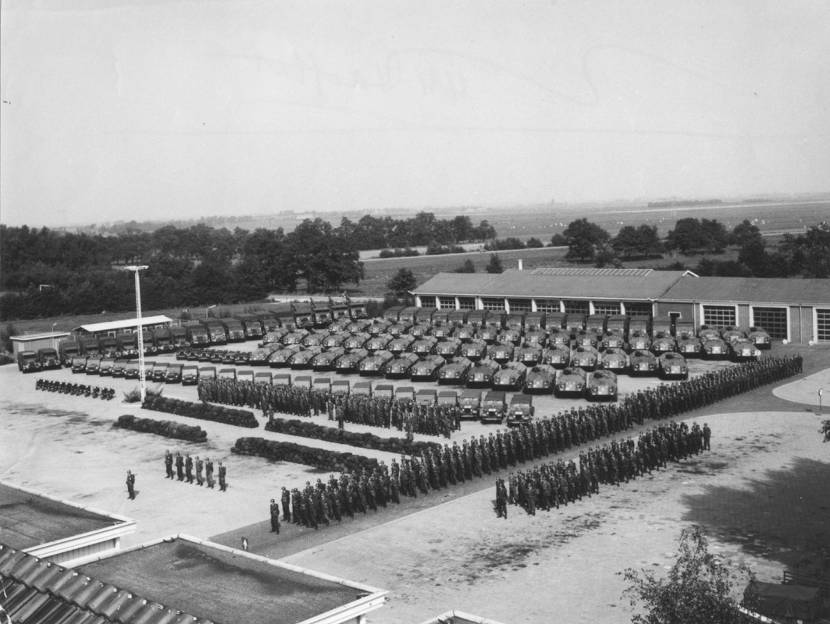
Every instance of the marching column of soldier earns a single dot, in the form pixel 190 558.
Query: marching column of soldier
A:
pixel 553 484
pixel 446 465
pixel 201 472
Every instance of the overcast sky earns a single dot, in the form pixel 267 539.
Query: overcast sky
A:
pixel 155 109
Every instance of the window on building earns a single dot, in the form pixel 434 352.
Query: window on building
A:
pixel 467 303
pixel 447 303
pixel 606 307
pixel 576 307
pixel 427 301
pixel 718 316
pixel 638 309
pixel 822 325
pixel 547 305
pixel 774 320
pixel 519 305
pixel 491 303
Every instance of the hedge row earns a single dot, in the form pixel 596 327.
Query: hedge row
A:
pixel 307 429
pixel 167 428
pixel 203 411
pixel 299 454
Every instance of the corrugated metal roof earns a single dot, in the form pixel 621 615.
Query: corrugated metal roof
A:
pixel 50 335
pixel 569 285
pixel 37 591
pixel 123 324
pixel 750 290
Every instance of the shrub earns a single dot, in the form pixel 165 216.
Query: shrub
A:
pixel 166 428
pixel 363 440
pixel 202 411
pixel 299 454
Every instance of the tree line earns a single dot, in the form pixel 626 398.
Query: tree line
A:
pixel 47 273
pixel 802 255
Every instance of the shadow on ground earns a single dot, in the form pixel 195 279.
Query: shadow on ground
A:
pixel 784 515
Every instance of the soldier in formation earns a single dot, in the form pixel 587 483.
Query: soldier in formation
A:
pixel 185 470
pixel 559 483
pixel 440 466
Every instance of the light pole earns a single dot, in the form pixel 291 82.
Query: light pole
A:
pixel 136 269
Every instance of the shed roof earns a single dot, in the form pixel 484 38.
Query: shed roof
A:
pixel 37 591
pixel 750 289
pixel 28 519
pixel 635 284
pixel 220 582
pixel 33 337
pixel 123 324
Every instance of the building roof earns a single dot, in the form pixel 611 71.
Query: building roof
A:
pixel 37 591
pixel 750 289
pixel 28 520
pixel 93 328
pixel 47 335
pixel 228 585
pixel 569 283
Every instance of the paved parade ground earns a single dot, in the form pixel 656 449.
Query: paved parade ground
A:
pixel 760 493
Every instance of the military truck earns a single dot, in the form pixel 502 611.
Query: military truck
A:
pixel 78 364
pixel 27 362
pixel 108 346
pixel 174 373
pixel 455 318
pixel 119 366
pixel 425 314
pixel 216 331
pixel 226 373
pixel 520 410
pixel 281 379
pixel 477 318
pixel 48 358
pixel 197 335
pixel 405 393
pixel 207 372
pixel 160 372
pixel 68 349
pixel 534 321
pixel 178 335
pixel 469 402
pixel 384 391
pixel 163 339
pixel 541 378
pixel 234 329
pixel 596 323
pixel 321 384
pixel 190 375
pixel 89 346
pixel 262 377
pixel 447 397
pixel 392 313
pixel 555 320
pixel 515 320
pixel 426 396
pixel 130 369
pixel 105 367
pixel 362 388
pixel 602 386
pixel 493 407
pixel 340 387
pixel 128 345
pixel 93 365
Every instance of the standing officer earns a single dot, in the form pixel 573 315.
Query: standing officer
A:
pixel 275 517
pixel 179 466
pixel 168 463
pixel 188 468
pixel 209 472
pixel 131 484
pixel 707 434
pixel 286 505
pixel 223 485
pixel 200 479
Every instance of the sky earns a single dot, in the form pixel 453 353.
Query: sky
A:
pixel 157 109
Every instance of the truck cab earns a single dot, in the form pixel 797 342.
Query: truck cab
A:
pixel 470 403
pixel 521 410
pixel 48 358
pixel 27 362
pixel 493 407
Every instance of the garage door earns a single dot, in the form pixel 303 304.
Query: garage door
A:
pixel 718 316
pixel 774 320
pixel 823 325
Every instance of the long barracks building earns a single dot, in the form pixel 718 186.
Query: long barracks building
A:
pixel 797 310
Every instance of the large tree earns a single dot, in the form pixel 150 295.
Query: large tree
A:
pixel 642 241
pixel 402 283
pixel 699 587
pixel 583 238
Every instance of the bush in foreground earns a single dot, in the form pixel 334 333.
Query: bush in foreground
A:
pixel 202 411
pixel 299 454
pixel 166 428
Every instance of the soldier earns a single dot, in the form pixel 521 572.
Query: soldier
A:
pixel 285 499
pixel 209 472
pixel 223 484
pixel 179 466
pixel 200 479
pixel 501 499
pixel 168 463
pixel 131 484
pixel 275 517
pixel 707 434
